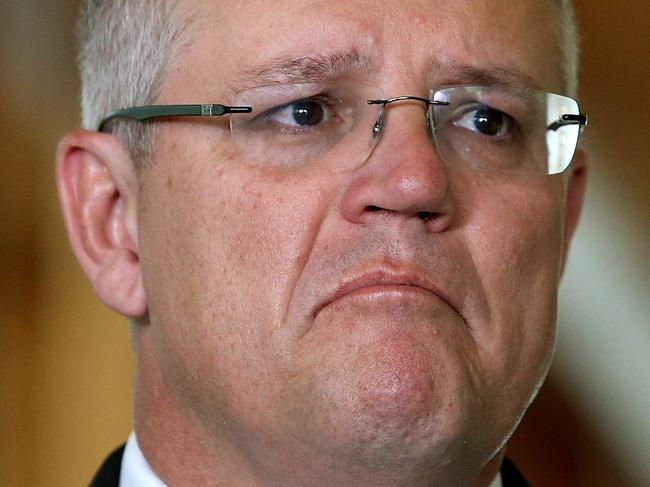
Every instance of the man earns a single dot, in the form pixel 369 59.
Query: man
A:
pixel 341 261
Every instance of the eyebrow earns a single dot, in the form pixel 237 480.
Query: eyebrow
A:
pixel 307 69
pixel 450 73
pixel 335 65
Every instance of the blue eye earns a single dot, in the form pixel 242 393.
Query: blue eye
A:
pixel 307 112
pixel 486 121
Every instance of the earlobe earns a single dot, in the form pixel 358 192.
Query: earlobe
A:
pixel 97 187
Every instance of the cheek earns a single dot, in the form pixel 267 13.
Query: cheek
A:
pixel 220 263
pixel 515 239
pixel 514 231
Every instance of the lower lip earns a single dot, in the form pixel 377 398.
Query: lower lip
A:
pixel 387 292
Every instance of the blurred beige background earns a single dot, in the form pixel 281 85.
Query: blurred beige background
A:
pixel 65 361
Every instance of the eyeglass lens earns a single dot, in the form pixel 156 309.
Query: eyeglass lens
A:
pixel 330 125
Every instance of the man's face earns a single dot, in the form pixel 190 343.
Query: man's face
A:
pixel 395 308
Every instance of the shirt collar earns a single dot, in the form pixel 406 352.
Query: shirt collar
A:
pixel 135 471
pixel 497 482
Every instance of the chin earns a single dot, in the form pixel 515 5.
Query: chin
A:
pixel 399 403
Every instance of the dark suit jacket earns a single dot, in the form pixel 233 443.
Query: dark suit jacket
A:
pixel 109 473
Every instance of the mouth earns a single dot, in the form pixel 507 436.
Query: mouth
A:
pixel 384 282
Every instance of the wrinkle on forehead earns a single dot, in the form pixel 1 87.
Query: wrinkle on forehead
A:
pixel 341 64
pixel 463 42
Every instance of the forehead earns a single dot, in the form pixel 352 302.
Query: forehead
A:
pixel 234 43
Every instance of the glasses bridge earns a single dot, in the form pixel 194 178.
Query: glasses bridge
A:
pixel 379 122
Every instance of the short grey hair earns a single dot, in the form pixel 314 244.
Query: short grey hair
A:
pixel 126 47
pixel 570 45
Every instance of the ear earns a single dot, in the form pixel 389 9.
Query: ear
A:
pixel 98 186
pixel 575 193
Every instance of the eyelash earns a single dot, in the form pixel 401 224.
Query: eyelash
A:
pixel 513 126
pixel 323 99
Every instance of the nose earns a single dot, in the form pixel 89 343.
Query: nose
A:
pixel 403 177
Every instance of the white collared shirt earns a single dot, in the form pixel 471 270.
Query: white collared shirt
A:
pixel 136 472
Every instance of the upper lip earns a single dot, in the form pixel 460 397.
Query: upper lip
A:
pixel 403 276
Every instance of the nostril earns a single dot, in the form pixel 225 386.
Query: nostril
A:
pixel 425 216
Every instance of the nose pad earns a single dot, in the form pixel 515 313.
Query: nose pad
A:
pixel 377 127
pixel 431 129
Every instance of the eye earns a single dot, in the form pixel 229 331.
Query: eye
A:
pixel 307 112
pixel 486 121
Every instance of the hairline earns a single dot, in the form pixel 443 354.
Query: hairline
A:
pixel 139 138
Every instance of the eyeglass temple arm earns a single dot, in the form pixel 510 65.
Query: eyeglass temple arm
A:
pixel 159 111
pixel 568 119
